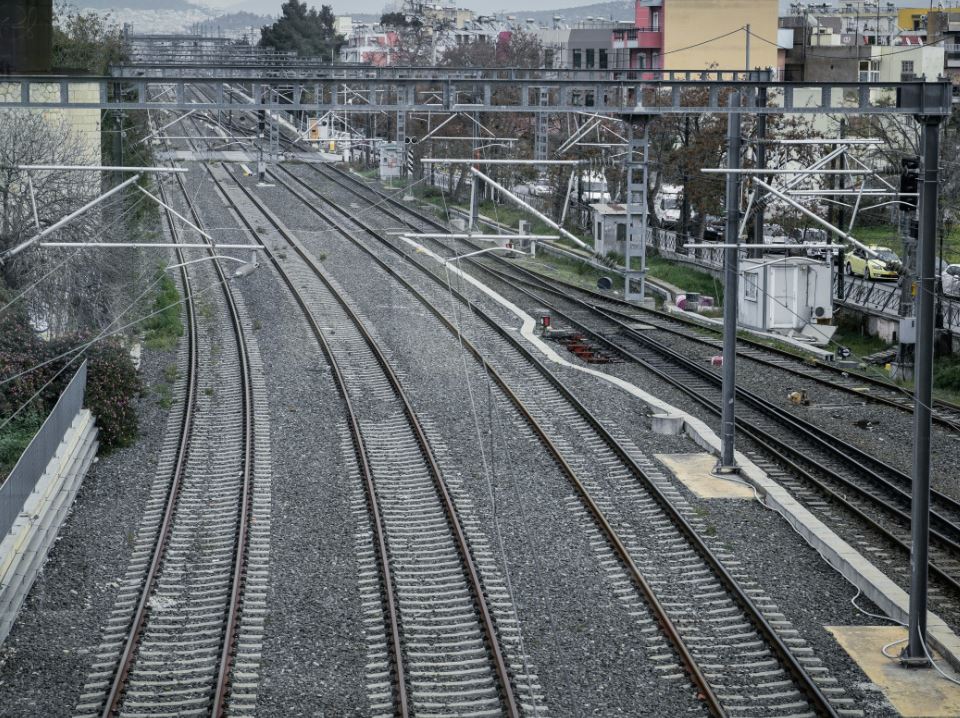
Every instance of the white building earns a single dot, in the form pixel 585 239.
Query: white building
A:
pixel 788 295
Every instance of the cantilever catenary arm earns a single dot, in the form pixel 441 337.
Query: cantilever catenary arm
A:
pixel 66 220
pixel 520 203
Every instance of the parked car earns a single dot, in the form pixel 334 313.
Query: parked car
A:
pixel 594 187
pixel 808 236
pixel 884 264
pixel 950 278
pixel 541 188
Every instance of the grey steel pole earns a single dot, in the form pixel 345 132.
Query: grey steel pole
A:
pixel 747 30
pixel 914 653
pixel 730 269
pixel 759 218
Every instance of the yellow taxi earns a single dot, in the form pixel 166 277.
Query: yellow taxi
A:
pixel 883 264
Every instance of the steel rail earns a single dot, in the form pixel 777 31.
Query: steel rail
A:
pixel 238 582
pixel 472 573
pixel 128 654
pixel 776 447
pixel 389 588
pixel 803 680
pixel 844 452
pixel 373 502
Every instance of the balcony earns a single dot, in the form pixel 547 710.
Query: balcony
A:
pixel 642 38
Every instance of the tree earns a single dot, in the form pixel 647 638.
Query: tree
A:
pixel 75 290
pixel 86 41
pixel 304 31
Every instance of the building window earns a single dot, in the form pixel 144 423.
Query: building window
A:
pixel 751 286
pixel 602 59
pixel 590 54
pixel 642 61
pixel 577 59
pixel 655 20
pixel 655 60
pixel 621 232
pixel 548 58
pixel 869 71
pixel 906 67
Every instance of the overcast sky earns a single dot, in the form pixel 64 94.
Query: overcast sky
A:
pixel 348 7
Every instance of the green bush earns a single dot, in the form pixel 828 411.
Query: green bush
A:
pixel 946 374
pixel 14 439
pixel 112 382
pixel 112 386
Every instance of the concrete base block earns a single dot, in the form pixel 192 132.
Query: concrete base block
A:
pixel 695 471
pixel 914 692
pixel 667 424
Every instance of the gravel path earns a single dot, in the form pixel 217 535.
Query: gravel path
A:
pixel 47 656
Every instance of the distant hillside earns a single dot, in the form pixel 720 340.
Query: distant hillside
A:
pixel 181 5
pixel 617 10
pixel 239 21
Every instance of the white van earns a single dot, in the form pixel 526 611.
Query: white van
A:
pixel 594 188
pixel 667 205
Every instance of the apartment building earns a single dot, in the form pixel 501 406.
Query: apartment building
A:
pixel 700 34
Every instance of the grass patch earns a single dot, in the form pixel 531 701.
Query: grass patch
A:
pixel 946 374
pixel 14 438
pixel 164 328
pixel 851 334
pixel 691 280
pixel 170 373
pixel 164 395
pixel 569 270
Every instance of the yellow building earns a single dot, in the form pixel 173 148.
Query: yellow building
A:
pixel 690 22
pixel 914 18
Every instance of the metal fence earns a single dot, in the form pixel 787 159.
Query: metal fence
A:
pixel 884 300
pixel 33 462
pixel 665 242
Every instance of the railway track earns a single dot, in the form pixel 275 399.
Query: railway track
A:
pixel 189 611
pixel 615 482
pixel 867 488
pixel 863 386
pixel 441 628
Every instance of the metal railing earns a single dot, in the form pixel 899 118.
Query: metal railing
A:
pixel 665 242
pixel 884 300
pixel 33 462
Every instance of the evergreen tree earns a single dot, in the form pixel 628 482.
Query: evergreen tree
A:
pixel 305 31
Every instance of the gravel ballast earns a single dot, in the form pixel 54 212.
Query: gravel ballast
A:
pixel 573 629
pixel 839 610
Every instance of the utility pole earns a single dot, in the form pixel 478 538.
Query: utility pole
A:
pixel 685 203
pixel 747 28
pixel 841 218
pixel 915 652
pixel 908 274
pixel 758 220
pixel 728 428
